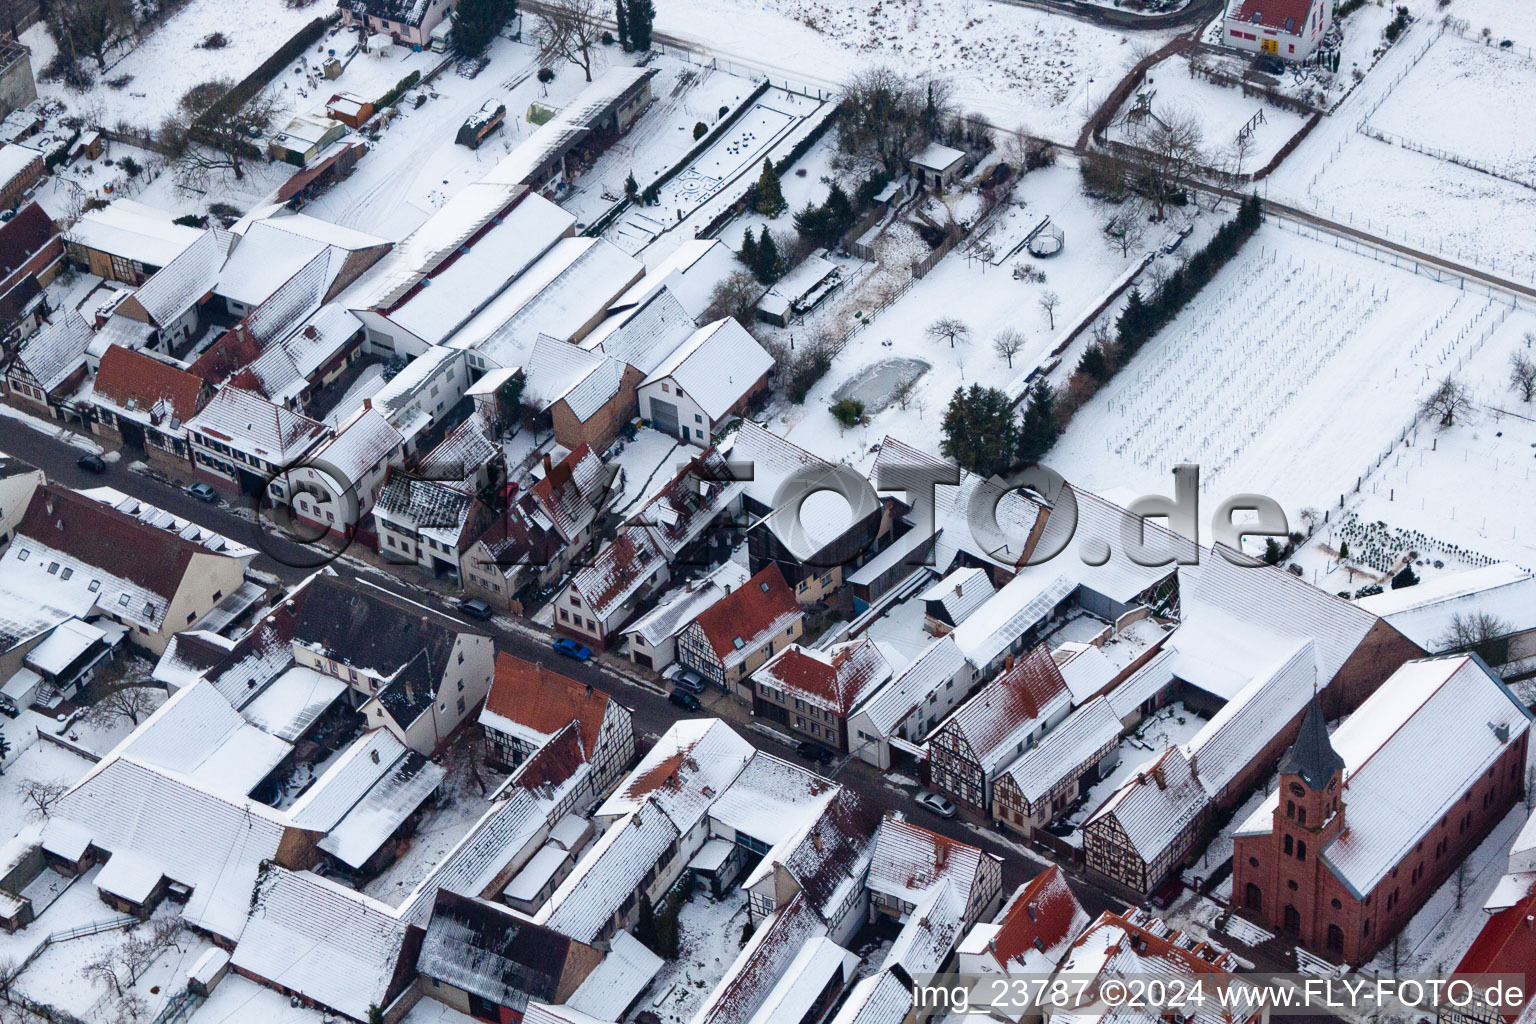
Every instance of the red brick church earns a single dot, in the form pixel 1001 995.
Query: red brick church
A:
pixel 1365 825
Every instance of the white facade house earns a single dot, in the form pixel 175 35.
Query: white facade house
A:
pixel 1288 29
pixel 710 376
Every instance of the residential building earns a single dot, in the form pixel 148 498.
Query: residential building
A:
pixel 910 861
pixel 50 369
pixel 528 704
pixel 603 597
pixel 731 638
pixel 651 640
pixel 407 23
pixel 1288 29
pixel 242 443
pixel 427 524
pixel 891 725
pixel 142 402
pixel 814 691
pixel 1029 936
pixel 1363 827
pixel 31 253
pixel 1008 716
pixel 337 484
pixel 713 375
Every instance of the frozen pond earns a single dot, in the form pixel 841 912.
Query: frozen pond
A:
pixel 876 384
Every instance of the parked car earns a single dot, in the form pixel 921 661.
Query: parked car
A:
pixel 815 752
pixel 935 803
pixel 688 679
pixel 475 608
pixel 571 649
pixel 202 492
pixel 685 700
pixel 92 463
pixel 1270 65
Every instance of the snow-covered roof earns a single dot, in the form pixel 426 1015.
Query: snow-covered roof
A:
pixel 642 333
pixel 466 281
pixel 768 955
pixel 747 619
pixel 293 702
pixel 1155 803
pixel 937 664
pixel 365 795
pixel 1394 794
pixel 499 836
pixel 197 733
pixel 931 932
pixel 681 606
pixel 69 640
pixel 620 569
pixel 938 157
pixel 1238 733
pixel 687 770
pixel 244 420
pixel 559 295
pixel 1037 925
pixel 557 135
pixel 1023 603
pixel 14 159
pixel 960 593
pixel 213 845
pixel 153 515
pixel 330 944
pixel 615 983
pixel 909 861
pixel 363 442
pixel 690 272
pixel 771 800
pixel 56 351
pixel 610 873
pixel 1085 735
pixel 1086 669
pixel 183 282
pixel 837 679
pixel 818 964
pixel 995 722
pixel 265 258
pixel 715 367
pixel 1424 612
pixel 133 231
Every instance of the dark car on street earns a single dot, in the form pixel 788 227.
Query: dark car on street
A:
pixel 685 700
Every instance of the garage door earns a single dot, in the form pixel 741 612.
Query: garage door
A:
pixel 664 416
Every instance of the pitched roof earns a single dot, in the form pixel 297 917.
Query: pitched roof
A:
pixel 747 618
pixel 183 282
pixel 1239 733
pixel 1426 611
pixel 1041 919
pixel 716 366
pixel 1506 944
pixel 1156 803
pixel 939 662
pixel 328 943
pixel 620 568
pixel 136 382
pixel 257 427
pixel 909 860
pixel 56 351
pixel 533 703
pixel 482 948
pixel 569 492
pixel 609 874
pixel 837 679
pixel 1085 734
pixel 23 236
pixel 751 978
pixel 996 720
pixel 1312 756
pixel 1288 16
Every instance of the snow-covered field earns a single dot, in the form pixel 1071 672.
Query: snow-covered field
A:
pixel 1287 376
pixel 1221 111
pixel 1013 65
pixel 172 59
pixel 1428 108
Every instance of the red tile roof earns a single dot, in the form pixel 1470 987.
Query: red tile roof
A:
pixel 545 701
pixel 764 600
pixel 1039 918
pixel 22 236
pixel 837 679
pixel 131 379
pixel 1019 695
pixel 1506 945
pixel 1274 14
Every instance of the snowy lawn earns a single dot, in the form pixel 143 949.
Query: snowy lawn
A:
pixel 710 938
pixel 1010 64
pixel 31 760
pixel 1288 375
pixel 172 59
pixel 1457 76
pixel 1221 111
pixel 986 297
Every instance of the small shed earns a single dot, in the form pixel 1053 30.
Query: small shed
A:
pixel 205 975
pixel 379 44
pixel 332 67
pixel 481 124
pixel 937 166
pixel 350 109
pixel 302 138
pixel 801 290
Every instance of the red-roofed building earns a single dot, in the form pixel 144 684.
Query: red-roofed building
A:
pixel 970 749
pixel 140 401
pixel 528 705
pixel 1288 29
pixel 603 597
pixel 1031 932
pixel 732 637
pixel 1506 945
pixel 814 692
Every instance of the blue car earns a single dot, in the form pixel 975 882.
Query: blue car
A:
pixel 571 649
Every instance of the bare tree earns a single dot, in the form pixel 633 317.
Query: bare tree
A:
pixel 1461 882
pixel 1125 230
pixel 736 296
pixel 103 969
pixel 1007 344
pixel 572 30
pixel 1530 789
pixel 1048 303
pixel 1449 401
pixel 1480 633
pixel 90 28
pixel 213 137
pixel 1172 141
pixel 949 329
pixel 40 795
pixel 1311 518
pixel 1522 375
pixel 889 116
pixel 132 1009
pixel 902 393
pixel 1399 953
pixel 127 701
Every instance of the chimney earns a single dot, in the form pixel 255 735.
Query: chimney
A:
pixel 1032 910
pixel 589 691
pixel 367 403
pixel 1008 663
pixel 959 589
pixel 549 466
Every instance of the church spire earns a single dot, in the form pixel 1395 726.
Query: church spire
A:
pixel 1312 756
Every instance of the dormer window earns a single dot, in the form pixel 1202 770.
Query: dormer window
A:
pixel 123 600
pixel 26 553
